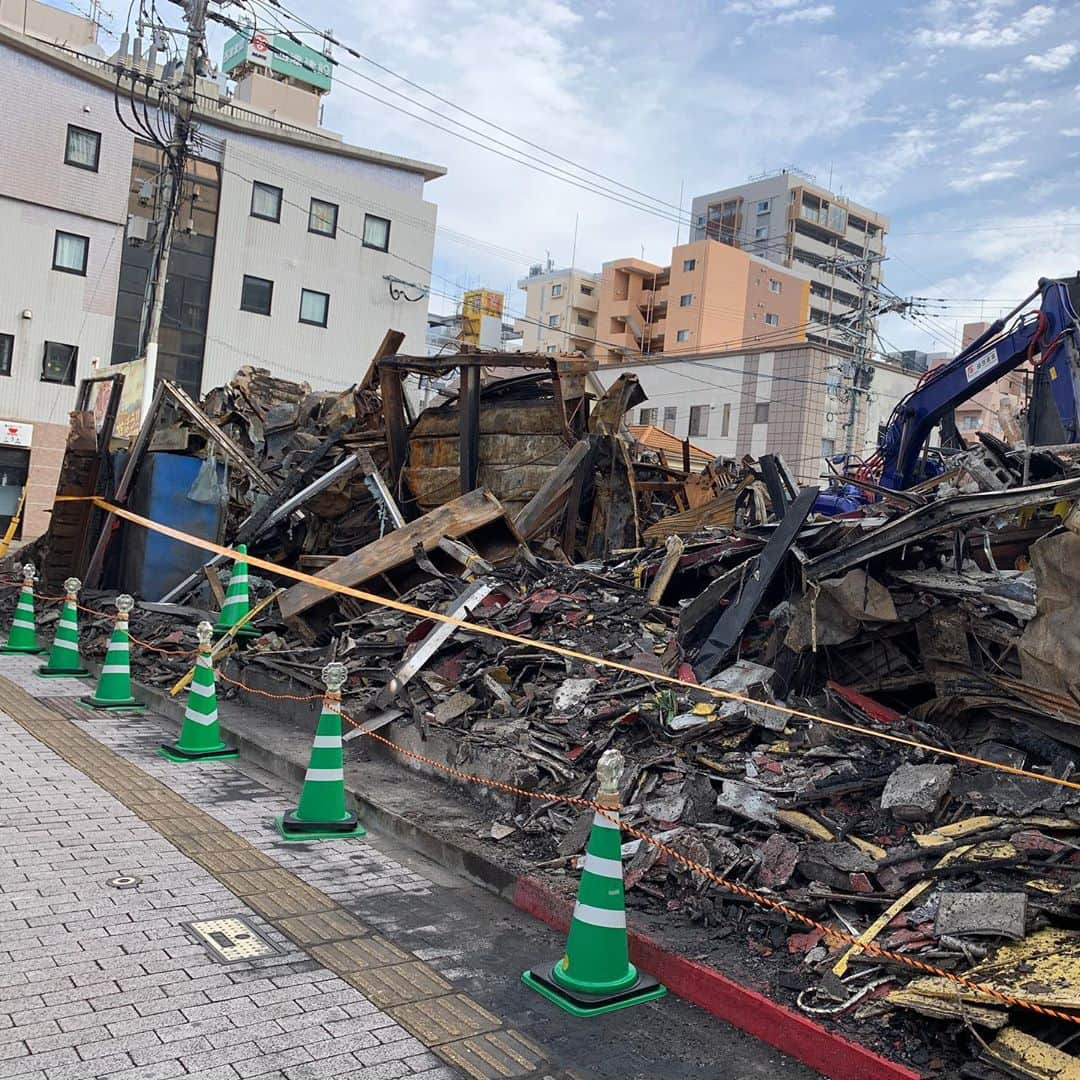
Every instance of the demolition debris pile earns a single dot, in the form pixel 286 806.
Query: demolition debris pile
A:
pixel 943 617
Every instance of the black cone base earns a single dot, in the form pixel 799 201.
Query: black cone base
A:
pixel 175 752
pixel 290 823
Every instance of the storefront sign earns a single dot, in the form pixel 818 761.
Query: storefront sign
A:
pixel 15 434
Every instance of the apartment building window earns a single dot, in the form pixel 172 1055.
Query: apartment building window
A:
pixel 682 335
pixel 83 148
pixel 322 217
pixel 553 320
pixel 828 448
pixel 671 414
pixel 59 363
pixel 725 420
pixel 70 252
pixel 688 265
pixel 775 286
pixel 556 292
pixel 761 412
pixel 686 300
pixel 552 348
pixel 699 420
pixel 970 423
pixel 764 206
pixel 771 319
pixel 256 295
pixel 314 307
pixel 586 290
pixel 265 201
pixel 376 232
pixel 584 320
pixel 7 351
pixel 761 232
pixel 647 416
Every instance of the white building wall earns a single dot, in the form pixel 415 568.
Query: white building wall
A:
pixel 361 309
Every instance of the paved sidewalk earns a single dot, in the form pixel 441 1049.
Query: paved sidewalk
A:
pixel 98 981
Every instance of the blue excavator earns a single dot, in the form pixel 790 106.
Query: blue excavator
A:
pixel 1048 338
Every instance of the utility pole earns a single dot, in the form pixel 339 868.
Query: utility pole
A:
pixel 176 162
pixel 863 373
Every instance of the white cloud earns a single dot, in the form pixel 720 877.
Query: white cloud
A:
pixel 1006 75
pixel 780 12
pixel 1000 113
pixel 1056 59
pixel 817 13
pixel 1070 133
pixel 992 174
pixel 975 24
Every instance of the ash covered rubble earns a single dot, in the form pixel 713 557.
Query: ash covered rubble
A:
pixel 943 617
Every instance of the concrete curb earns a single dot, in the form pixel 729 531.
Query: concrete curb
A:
pixel 827 1052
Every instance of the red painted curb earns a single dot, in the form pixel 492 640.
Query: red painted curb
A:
pixel 760 1016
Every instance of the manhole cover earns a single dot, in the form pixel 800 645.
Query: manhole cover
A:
pixel 232 939
pixel 124 881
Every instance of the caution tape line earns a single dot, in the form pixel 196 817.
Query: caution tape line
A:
pixel 557 650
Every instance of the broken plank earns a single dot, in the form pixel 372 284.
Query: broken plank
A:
pixel 675 549
pixel 534 514
pixel 453 519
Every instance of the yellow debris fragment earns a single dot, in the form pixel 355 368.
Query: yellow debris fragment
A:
pixel 1029 1056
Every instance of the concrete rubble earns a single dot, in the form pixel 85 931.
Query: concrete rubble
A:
pixel 524 505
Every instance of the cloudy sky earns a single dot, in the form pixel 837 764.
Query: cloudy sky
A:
pixel 959 119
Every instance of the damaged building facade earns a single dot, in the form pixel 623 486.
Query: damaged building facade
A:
pixel 287 237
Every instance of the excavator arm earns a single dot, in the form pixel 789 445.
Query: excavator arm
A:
pixel 1049 338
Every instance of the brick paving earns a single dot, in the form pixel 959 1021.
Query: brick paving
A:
pixel 97 981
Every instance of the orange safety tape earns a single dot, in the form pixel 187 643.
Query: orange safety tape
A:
pixel 266 693
pixel 558 650
pixel 838 936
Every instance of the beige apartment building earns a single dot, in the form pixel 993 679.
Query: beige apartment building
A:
pixel 711 297
pixel 560 310
pixel 789 220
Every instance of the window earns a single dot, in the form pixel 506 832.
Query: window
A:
pixel 764 206
pixel 771 319
pixel 265 201
pixel 647 416
pixel 699 419
pixel 725 420
pixel 686 300
pixel 775 286
pixel 682 335
pixel 671 414
pixel 83 149
pixel 70 252
pixel 256 295
pixel 761 412
pixel 970 423
pixel 586 290
pixel 314 307
pixel 7 350
pixel 688 265
pixel 552 348
pixel 584 320
pixel 58 365
pixel 761 232
pixel 553 320
pixel 556 292
pixel 376 232
pixel 322 217
pixel 828 448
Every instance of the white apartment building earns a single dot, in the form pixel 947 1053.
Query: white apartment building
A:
pixel 788 219
pixel 560 310
pixel 785 401
pixel 287 238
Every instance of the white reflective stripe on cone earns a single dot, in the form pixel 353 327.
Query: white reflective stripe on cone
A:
pixel 115 669
pixel 327 742
pixel 25 607
pixel 601 867
pixel 603 822
pixel 70 646
pixel 22 624
pixel 325 774
pixel 119 646
pixel 202 691
pixel 198 718
pixel 596 916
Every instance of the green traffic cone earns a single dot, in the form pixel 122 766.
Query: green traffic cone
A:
pixel 64 660
pixel 236 600
pixel 595 975
pixel 321 814
pixel 114 686
pixel 23 635
pixel 200 737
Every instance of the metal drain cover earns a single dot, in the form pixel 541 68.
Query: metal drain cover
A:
pixel 124 881
pixel 232 939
